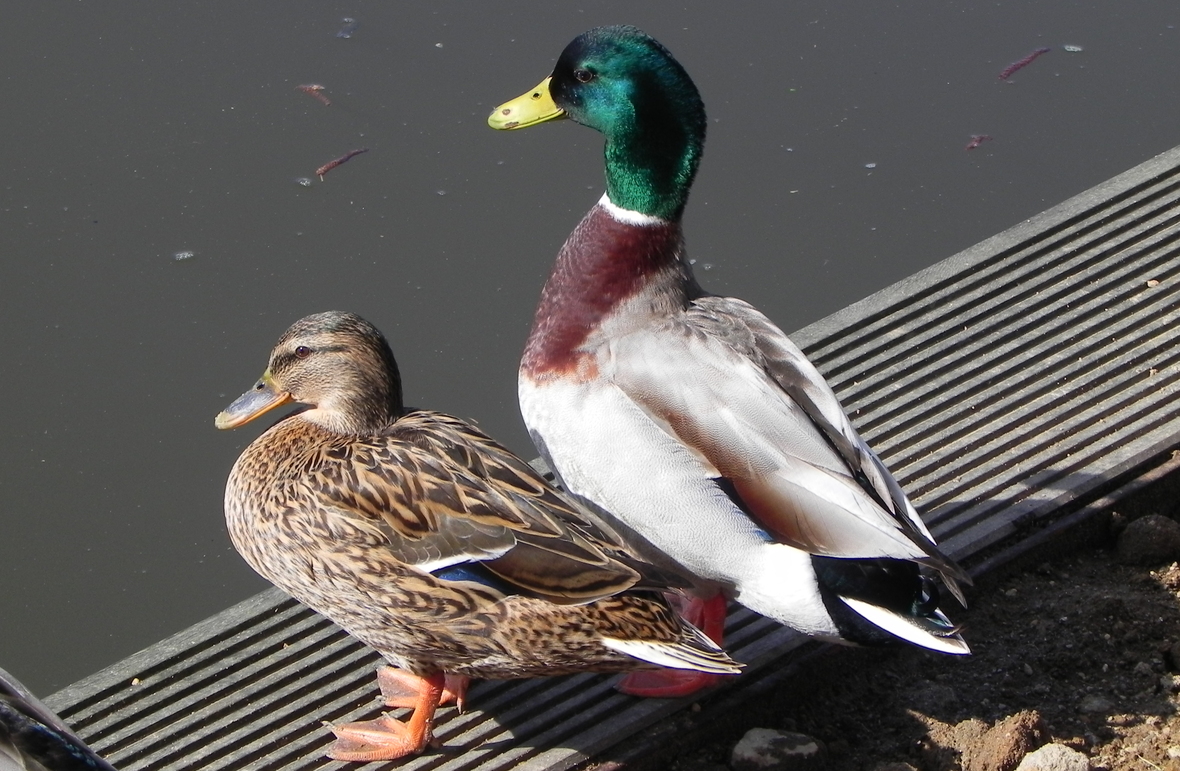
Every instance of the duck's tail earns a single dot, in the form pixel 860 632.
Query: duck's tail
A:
pixel 933 631
pixel 893 597
pixel 694 650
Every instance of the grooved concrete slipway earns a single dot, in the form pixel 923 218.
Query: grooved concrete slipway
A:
pixel 1018 390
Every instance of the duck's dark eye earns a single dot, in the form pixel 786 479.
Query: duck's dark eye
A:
pixel 584 76
pixel 303 352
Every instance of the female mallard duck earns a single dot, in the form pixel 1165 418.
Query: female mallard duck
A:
pixel 33 738
pixel 428 541
pixel 692 417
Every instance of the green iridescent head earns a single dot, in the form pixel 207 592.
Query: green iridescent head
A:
pixel 623 83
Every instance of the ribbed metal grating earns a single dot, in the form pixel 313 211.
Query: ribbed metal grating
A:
pixel 1002 386
pixel 1010 379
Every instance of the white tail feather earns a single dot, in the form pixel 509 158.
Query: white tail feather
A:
pixel 678 655
pixel 905 628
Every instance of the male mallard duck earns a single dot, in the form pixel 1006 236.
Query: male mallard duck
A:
pixel 33 738
pixel 430 542
pixel 692 417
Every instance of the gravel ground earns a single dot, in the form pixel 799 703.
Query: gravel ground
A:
pixel 1082 651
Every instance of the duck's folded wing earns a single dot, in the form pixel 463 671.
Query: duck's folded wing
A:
pixel 438 500
pixel 783 361
pixel 796 466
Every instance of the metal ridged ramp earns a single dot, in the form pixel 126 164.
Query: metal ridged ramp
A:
pixel 1005 382
pixel 1008 388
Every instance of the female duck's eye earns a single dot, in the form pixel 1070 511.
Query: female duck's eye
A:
pixel 584 76
pixel 303 352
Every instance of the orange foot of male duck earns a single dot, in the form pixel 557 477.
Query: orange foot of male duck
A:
pixel 387 738
pixel 706 615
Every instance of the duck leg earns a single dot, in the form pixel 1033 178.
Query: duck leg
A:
pixel 387 738
pixel 706 615
pixel 400 688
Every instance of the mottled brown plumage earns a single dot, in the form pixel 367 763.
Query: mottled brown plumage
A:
pixel 429 541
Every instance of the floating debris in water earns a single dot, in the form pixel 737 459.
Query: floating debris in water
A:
pixel 440 192
pixel 304 181
pixel 977 140
pixel 185 255
pixel 707 265
pixel 1021 63
pixel 316 90
pixel 322 170
pixel 350 25
pixel 438 45
pixel 1072 49
pixel 870 165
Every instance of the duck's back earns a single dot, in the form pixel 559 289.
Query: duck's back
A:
pixel 391 537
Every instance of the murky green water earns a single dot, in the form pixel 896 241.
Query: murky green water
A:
pixel 136 133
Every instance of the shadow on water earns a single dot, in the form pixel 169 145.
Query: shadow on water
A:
pixel 155 242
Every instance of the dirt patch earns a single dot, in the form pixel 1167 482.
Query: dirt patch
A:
pixel 1083 651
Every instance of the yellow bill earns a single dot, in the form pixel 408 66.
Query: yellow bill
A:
pixel 528 109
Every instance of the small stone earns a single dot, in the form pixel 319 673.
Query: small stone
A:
pixel 1003 746
pixel 1170 683
pixel 1150 540
pixel 1054 757
pixel 1093 703
pixel 765 749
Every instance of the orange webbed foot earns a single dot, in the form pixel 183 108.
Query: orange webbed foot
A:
pixel 667 683
pixel 387 738
pixel 400 688
pixel 706 615
pixel 382 739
